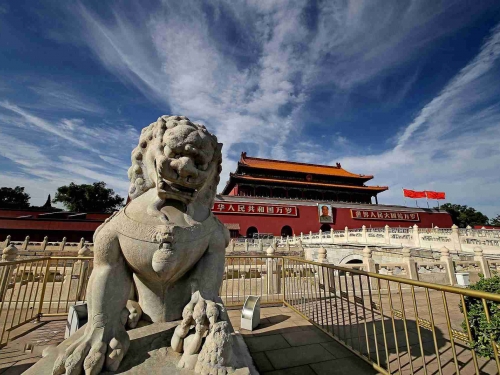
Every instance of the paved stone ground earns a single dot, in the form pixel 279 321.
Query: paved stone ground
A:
pixel 286 343
pixel 22 352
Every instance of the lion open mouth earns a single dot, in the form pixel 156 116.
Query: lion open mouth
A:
pixel 182 189
pixel 177 189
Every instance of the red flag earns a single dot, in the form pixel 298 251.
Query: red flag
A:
pixel 413 194
pixel 435 195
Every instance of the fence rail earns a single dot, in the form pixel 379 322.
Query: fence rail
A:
pixel 457 239
pixel 40 287
pixel 396 324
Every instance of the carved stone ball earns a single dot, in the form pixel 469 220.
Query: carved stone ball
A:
pixel 444 251
pixel 478 251
pixel 85 251
pixel 10 252
pixel 270 251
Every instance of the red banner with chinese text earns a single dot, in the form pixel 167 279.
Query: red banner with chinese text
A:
pixel 254 209
pixel 384 215
pixel 435 195
pixel 413 194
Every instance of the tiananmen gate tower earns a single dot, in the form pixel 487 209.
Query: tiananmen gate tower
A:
pixel 285 198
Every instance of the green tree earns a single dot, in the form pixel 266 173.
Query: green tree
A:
pixel 88 198
pixel 464 215
pixel 495 221
pixel 14 198
pixel 483 332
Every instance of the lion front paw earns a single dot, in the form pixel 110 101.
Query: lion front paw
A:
pixel 215 354
pixel 99 348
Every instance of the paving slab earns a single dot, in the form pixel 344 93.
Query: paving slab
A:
pixel 297 356
pixel 264 343
pixel 350 365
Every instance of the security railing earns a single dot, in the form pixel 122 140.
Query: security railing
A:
pixel 41 287
pixel 397 325
pixel 258 276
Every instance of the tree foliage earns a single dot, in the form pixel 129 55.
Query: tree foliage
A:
pixel 483 332
pixel 14 197
pixel 495 221
pixel 88 198
pixel 464 215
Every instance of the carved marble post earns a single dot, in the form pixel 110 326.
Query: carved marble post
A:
pixel 416 237
pixel 8 254
pixel 410 263
pixel 26 243
pixel 332 237
pixel 450 269
pixel 368 261
pixel 82 242
pixel 302 237
pixel 301 248
pixel 325 274
pixel 63 243
pixel 310 237
pixel 74 283
pixel 455 238
pixel 322 255
pixel 246 245
pixel 320 236
pixel 363 234
pixel 346 234
pixel 271 281
pixel 483 262
pixel 387 236
pixel 44 243
pixel 261 245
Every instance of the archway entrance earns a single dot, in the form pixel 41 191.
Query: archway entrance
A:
pixel 251 231
pixel 286 231
pixel 354 261
pixel 325 228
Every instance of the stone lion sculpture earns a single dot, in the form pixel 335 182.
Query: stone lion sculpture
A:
pixel 160 258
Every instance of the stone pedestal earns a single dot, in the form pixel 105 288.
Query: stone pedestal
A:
pixel 150 353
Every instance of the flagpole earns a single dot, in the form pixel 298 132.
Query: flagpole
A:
pixel 404 198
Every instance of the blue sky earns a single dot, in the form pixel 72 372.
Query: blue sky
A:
pixel 406 91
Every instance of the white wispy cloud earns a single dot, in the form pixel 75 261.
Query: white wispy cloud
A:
pixel 58 96
pixel 47 154
pixel 254 89
pixel 452 144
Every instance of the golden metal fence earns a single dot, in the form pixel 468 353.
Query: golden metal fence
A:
pixel 397 325
pixel 252 275
pixel 39 287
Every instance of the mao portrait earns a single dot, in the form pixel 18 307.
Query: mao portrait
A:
pixel 325 213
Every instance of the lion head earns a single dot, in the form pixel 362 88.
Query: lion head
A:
pixel 181 159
